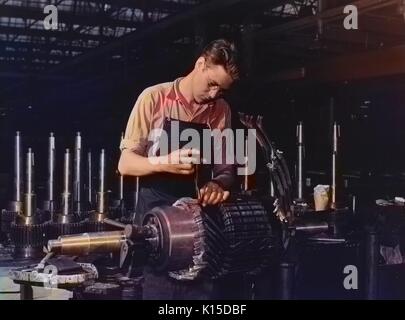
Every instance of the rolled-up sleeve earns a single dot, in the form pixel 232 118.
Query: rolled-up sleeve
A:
pixel 138 126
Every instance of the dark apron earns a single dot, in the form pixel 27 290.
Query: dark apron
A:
pixel 165 188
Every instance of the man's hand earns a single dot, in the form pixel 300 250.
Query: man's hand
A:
pixel 180 161
pixel 212 193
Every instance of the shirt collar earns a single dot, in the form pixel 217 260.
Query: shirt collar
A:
pixel 175 94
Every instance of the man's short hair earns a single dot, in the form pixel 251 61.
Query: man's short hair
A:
pixel 224 53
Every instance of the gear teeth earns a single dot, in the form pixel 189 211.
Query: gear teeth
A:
pixel 60 229
pixel 29 240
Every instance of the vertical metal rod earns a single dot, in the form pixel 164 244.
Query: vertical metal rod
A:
pixel 89 177
pixel 102 171
pixel 335 153
pixel 101 194
pixel 17 168
pixel 51 167
pixel 77 174
pixel 29 201
pixel 66 195
pixel 121 188
pixel 300 160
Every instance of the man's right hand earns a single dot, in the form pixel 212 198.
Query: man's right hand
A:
pixel 181 161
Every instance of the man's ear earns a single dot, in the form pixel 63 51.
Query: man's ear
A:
pixel 200 63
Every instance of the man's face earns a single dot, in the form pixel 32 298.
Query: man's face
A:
pixel 209 82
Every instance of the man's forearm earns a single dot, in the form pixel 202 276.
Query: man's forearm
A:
pixel 133 164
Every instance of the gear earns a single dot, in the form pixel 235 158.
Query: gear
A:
pixel 60 229
pixel 29 239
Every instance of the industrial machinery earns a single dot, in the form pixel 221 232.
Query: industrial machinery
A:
pixel 249 234
pixel 28 233
pixel 66 221
pixel 9 214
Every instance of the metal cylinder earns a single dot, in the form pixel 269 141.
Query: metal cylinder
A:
pixel 29 196
pixel 89 179
pixel 102 197
pixel 77 174
pixel 101 172
pixel 51 167
pixel 300 161
pixel 121 188
pixel 335 169
pixel 86 243
pixel 18 184
pixel 312 227
pixel 66 195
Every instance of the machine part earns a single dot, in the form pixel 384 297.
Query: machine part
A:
pixel 247 121
pixel 190 243
pixel 277 153
pixel 27 234
pixel 49 203
pixel 32 275
pixel 86 243
pixel 89 181
pixel 311 227
pixel 95 221
pixel 66 221
pixel 65 228
pixel 300 162
pixel 7 218
pixel 28 239
pixel 187 241
pixel 335 188
pixel 77 205
pixel 175 238
pixel 131 288
pixel 102 291
pixel 66 195
pixel 102 198
pixel 279 173
pixel 17 203
pixel 30 204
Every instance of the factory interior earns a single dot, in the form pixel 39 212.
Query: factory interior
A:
pixel 320 217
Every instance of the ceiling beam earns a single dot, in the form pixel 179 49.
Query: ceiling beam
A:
pixel 211 7
pixel 90 19
pixel 329 15
pixel 63 35
pixel 166 6
pixel 18 45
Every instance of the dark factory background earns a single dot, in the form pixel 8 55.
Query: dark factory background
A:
pixel 298 64
pixel 86 75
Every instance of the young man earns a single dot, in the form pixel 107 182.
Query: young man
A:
pixel 194 101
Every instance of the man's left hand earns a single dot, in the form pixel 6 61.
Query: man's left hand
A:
pixel 212 193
